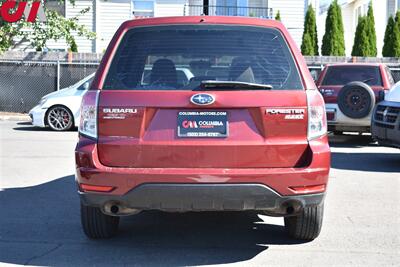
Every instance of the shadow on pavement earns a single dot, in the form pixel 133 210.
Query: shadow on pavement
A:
pixel 24 123
pixel 27 126
pixel 351 141
pixel 370 162
pixel 40 225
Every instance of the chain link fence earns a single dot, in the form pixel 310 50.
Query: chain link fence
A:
pixel 24 83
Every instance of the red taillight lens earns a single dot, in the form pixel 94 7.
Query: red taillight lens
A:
pixel 317 125
pixel 96 188
pixel 88 119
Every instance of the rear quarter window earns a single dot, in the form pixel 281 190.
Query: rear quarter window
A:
pixel 179 57
pixel 342 75
pixel 389 75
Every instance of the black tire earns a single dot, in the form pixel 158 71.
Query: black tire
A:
pixel 97 225
pixel 59 118
pixel 356 100
pixel 307 225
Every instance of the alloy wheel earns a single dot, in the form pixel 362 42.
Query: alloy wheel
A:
pixel 59 118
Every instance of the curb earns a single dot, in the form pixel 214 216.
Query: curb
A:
pixel 15 118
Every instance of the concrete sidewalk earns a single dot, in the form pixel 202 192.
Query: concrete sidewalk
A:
pixel 11 116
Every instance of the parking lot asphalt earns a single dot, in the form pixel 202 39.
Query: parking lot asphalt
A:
pixel 40 223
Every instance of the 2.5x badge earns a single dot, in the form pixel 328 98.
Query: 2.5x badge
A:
pixel 290 113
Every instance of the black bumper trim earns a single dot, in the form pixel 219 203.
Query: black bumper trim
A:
pixel 205 197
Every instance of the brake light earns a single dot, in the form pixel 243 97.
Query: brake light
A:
pixel 88 120
pixel 317 125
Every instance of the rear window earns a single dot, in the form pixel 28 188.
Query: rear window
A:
pixel 341 75
pixel 180 57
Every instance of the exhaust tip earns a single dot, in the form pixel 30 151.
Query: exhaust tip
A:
pixel 114 209
pixel 292 207
pixel 118 209
pixel 290 210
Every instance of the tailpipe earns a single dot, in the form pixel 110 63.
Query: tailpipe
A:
pixel 291 207
pixel 118 209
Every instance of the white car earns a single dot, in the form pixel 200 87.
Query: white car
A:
pixel 60 110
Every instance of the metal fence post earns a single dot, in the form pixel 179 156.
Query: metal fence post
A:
pixel 58 75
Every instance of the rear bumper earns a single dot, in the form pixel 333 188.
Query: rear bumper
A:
pixel 210 188
pixel 337 121
pixel 203 197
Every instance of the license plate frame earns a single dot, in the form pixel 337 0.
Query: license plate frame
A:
pixel 202 124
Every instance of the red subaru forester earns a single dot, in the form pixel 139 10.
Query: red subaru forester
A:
pixel 240 127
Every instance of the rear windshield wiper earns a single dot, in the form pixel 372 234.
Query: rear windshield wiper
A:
pixel 368 80
pixel 229 85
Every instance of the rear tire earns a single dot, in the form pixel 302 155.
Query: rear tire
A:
pixel 307 225
pixel 97 225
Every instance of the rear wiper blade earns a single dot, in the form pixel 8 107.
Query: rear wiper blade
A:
pixel 229 85
pixel 368 80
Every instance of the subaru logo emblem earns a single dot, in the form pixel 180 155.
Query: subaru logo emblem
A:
pixel 202 99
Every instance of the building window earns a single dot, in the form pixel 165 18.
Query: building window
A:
pixel 143 8
pixel 232 8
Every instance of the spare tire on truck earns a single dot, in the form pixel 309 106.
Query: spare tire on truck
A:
pixel 356 100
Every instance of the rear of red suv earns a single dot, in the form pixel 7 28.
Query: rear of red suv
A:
pixel 246 131
pixel 350 91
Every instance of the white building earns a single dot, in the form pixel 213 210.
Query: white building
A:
pixel 293 13
pixel 105 16
pixel 351 10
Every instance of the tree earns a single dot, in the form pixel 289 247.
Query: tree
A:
pixel 309 46
pixel 333 40
pixel 387 50
pixel 73 47
pixel 6 34
pixel 361 47
pixel 278 16
pixel 371 33
pixel 55 27
pixel 396 36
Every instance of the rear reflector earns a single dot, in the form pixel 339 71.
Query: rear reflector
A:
pixel 330 116
pixel 96 188
pixel 308 189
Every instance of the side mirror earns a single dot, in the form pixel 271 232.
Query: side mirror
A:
pixel 84 86
pixel 381 95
